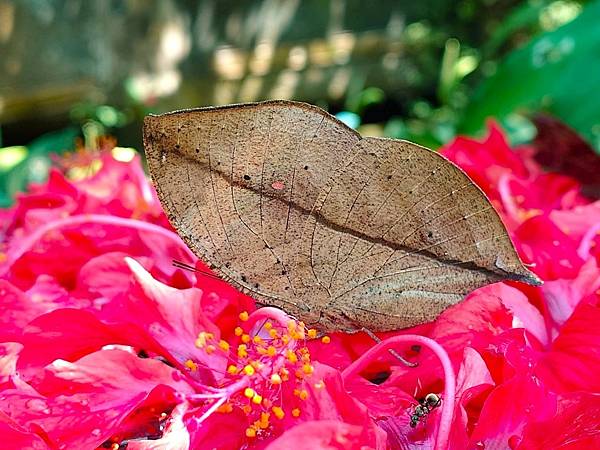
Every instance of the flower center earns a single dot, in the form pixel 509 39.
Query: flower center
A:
pixel 268 370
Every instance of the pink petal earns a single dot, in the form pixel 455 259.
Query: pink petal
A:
pixel 328 400
pixel 18 309
pixel 507 410
pixel 563 295
pixel 15 437
pixel 322 434
pixel 525 315
pixel 575 426
pixel 81 404
pixel 576 222
pixel 473 372
pixel 106 275
pixel 172 317
pixel 175 436
pixel 552 253
pixel 473 381
pixel 573 362
pixel 9 352
pixel 68 334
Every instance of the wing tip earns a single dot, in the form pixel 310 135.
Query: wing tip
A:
pixel 522 275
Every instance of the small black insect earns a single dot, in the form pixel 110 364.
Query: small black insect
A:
pixel 425 406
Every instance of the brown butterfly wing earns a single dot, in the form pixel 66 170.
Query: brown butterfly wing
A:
pixel 340 231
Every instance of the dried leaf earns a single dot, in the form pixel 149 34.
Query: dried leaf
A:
pixel 341 231
pixel 560 148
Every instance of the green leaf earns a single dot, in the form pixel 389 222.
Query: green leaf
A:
pixel 20 166
pixel 556 72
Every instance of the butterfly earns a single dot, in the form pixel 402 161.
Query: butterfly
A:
pixel 341 231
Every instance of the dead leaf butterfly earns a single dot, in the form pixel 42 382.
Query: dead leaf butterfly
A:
pixel 339 230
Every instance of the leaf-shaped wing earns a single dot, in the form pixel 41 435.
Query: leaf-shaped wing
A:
pixel 341 231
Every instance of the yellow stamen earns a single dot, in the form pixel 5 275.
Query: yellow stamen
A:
pixel 312 333
pixel 249 392
pixel 250 432
pixel 191 365
pixel 257 339
pixel 268 326
pixel 275 379
pixel 245 338
pixel 249 370
pixel 242 351
pixel 257 399
pixel 264 420
pixel 303 394
pixel 291 356
pixel 203 336
pixel 273 333
pixel 232 370
pixel 296 412
pixel 238 331
pixel 210 349
pixel 278 412
pixel 225 408
pixel 224 345
pixel 308 369
pixel 244 316
pixel 271 351
pixel 325 339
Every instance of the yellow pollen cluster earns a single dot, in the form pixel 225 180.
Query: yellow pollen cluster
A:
pixel 278 411
pixel 225 408
pixel 191 365
pixel 265 362
pixel 203 337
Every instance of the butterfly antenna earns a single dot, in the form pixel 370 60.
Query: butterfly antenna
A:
pixel 185 266
pixel 394 353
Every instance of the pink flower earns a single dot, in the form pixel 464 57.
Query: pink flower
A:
pixel 105 343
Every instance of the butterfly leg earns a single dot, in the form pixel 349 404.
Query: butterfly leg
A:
pixel 394 353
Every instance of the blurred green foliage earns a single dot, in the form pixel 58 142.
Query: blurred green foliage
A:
pixel 557 72
pixel 21 165
pixel 422 71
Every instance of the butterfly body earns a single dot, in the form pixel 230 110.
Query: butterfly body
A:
pixel 340 231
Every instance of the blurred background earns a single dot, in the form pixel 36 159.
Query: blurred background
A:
pixel 74 70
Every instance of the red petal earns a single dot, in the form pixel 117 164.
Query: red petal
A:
pixel 575 426
pixel 573 362
pixel 507 410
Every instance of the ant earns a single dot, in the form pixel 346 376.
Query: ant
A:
pixel 425 406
